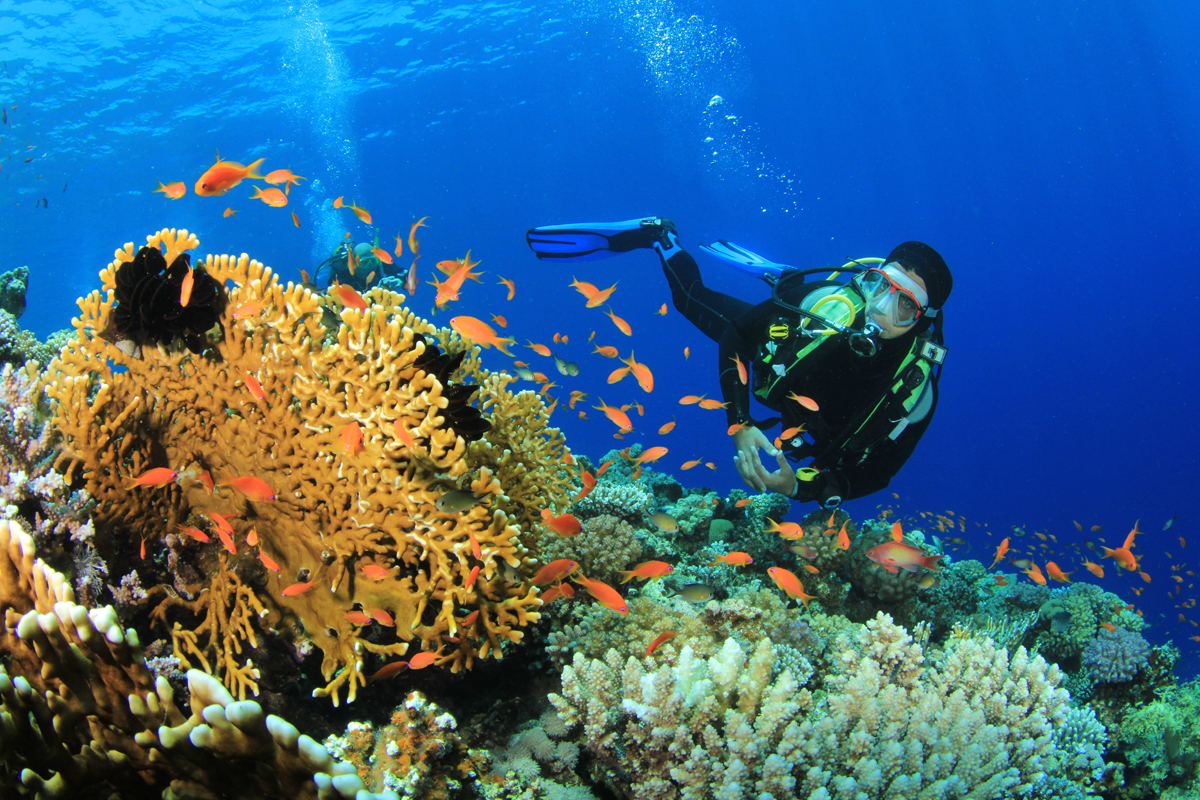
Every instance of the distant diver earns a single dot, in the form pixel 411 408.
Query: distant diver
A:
pixel 851 367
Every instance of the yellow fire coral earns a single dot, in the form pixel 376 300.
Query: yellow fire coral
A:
pixel 328 437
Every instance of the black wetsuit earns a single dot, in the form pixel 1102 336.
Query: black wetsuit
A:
pixel 845 386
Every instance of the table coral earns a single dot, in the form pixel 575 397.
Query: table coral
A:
pixel 81 716
pixel 340 506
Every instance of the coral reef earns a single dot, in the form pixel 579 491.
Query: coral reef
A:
pixel 970 722
pixel 13 285
pixel 82 716
pixel 605 545
pixel 1116 656
pixel 1160 744
pixel 356 439
pixel 29 485
pixel 417 754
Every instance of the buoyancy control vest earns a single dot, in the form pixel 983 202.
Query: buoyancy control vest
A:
pixel 792 336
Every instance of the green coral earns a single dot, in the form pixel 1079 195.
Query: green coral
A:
pixel 12 291
pixel 1160 743
pixel 1087 606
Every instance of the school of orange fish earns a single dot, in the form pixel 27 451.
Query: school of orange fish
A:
pixel 892 555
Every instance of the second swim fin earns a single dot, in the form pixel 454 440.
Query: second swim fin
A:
pixel 744 259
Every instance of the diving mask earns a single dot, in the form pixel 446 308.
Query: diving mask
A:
pixel 892 295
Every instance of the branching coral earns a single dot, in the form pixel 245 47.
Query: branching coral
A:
pixel 328 435
pixel 82 717
pixel 896 722
pixel 26 457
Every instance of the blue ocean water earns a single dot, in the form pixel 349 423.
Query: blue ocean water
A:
pixel 1048 151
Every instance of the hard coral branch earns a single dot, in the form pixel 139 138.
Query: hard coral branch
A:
pixel 271 396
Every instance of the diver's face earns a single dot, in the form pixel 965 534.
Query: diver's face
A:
pixel 889 329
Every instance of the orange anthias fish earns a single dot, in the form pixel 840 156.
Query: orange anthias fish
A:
pixel 736 559
pixel 743 374
pixel 295 219
pixel 361 213
pixel 351 438
pixel 1000 552
pixel 229 212
pixel 690 399
pixel 375 572
pixel 788 530
pixel 185 288
pixel 413 243
pixel 298 588
pixel 423 660
pixel 647 570
pixel 499 320
pixel 1035 574
pixel 512 287
pixel 843 540
pixel 358 618
pixel 609 597
pixel 564 524
pixel 381 254
pixel 1057 574
pixel 790 584
pixel 349 297
pixel 254 488
pixel 173 191
pixel 482 334
pixel 284 176
pixel 272 197
pixel 665 636
pixel 1123 555
pixel 711 404
pixel 644 377
pixel 806 402
pixel 254 387
pixel 540 349
pixel 387 670
pixel 616 415
pixel 555 571
pixel 195 533
pixel 590 291
pixel 589 483
pixel 224 175
pixel 621 324
pixel 155 477
pixel 895 556
pixel 665 429
pixel 648 455
pixel 689 464
pixel 246 309
pixel 1095 569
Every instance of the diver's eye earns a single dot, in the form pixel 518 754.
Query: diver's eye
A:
pixel 907 305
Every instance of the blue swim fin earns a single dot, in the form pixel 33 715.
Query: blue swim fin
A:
pixel 743 259
pixel 592 241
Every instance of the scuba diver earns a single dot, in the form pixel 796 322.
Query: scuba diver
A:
pixel 850 367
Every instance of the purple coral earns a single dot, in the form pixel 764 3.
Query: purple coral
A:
pixel 1116 656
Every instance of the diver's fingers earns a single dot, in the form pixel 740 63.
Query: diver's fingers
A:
pixel 746 469
pixel 760 473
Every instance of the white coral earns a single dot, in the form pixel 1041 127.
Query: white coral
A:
pixel 896 722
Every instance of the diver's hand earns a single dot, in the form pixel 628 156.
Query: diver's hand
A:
pixel 747 441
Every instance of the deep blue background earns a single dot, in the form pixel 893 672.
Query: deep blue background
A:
pixel 1048 150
